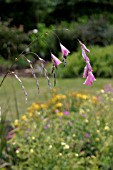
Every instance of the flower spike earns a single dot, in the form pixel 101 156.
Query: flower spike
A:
pixel 88 69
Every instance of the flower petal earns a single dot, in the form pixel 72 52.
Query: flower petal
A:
pixel 55 60
pixel 64 50
pixel 83 46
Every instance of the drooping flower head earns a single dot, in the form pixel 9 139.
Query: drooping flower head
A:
pixel 64 50
pixel 55 60
pixel 90 78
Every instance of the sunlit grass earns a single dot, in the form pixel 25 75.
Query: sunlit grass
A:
pixel 11 93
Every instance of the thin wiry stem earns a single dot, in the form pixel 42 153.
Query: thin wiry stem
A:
pixel 33 73
pixel 46 75
pixel 64 60
pixel 54 74
pixel 16 59
pixel 44 69
pixel 23 88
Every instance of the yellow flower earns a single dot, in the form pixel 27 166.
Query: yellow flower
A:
pixel 59 114
pixel 78 95
pixel 16 122
pixel 59 104
pixel 30 114
pixel 94 98
pixel 43 106
pixel 29 109
pixel 84 96
pixel 107 128
pixel 24 118
pixel 36 106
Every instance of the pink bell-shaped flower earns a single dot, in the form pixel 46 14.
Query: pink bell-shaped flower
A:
pixel 89 80
pixel 55 60
pixel 64 50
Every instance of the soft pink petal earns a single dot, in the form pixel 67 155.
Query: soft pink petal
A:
pixel 89 65
pixel 88 82
pixel 64 50
pixel 90 78
pixel 84 55
pixel 55 60
pixel 83 46
pixel 85 74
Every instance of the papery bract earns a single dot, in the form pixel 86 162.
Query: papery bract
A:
pixel 64 50
pixel 55 60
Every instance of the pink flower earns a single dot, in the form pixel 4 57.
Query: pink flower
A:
pixel 87 135
pixel 84 55
pixel 66 112
pixel 88 66
pixel 55 60
pixel 83 46
pixel 85 74
pixel 90 78
pixel 64 50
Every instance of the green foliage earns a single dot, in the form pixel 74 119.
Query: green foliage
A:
pixel 72 131
pixel 43 45
pixel 13 41
pixel 4 64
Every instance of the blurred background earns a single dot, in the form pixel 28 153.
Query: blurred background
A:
pixel 91 21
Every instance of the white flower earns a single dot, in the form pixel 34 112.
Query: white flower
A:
pixel 33 138
pixel 66 146
pixel 60 154
pixel 107 128
pixel 63 143
pixel 31 150
pixel 35 31
pixel 50 146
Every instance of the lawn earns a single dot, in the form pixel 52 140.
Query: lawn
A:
pixel 11 94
